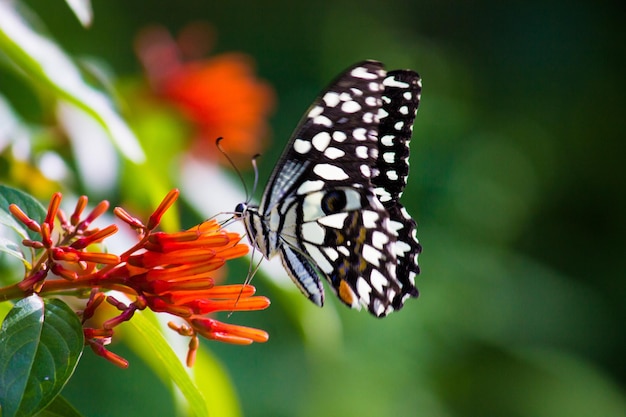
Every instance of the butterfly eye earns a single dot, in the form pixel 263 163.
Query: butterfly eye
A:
pixel 241 207
pixel 334 201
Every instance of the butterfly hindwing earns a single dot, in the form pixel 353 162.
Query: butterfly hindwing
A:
pixel 331 206
pixel 401 96
pixel 346 233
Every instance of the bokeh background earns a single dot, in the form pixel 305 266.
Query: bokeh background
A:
pixel 517 183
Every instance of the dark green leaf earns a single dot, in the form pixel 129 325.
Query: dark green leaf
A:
pixel 10 247
pixel 40 344
pixel 27 203
pixel 31 207
pixel 59 407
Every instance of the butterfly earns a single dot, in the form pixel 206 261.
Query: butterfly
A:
pixel 331 207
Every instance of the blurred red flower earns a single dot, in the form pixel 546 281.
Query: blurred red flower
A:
pixel 220 95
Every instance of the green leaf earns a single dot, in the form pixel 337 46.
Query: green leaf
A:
pixel 40 344
pixel 9 247
pixel 27 203
pixel 31 207
pixel 46 64
pixel 165 361
pixel 83 11
pixel 213 380
pixel 59 407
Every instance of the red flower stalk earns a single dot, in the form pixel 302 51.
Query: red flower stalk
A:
pixel 165 272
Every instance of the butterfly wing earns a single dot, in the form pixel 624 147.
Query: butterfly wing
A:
pixel 401 96
pixel 340 124
pixel 320 210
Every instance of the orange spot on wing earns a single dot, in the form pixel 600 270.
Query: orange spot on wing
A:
pixel 346 293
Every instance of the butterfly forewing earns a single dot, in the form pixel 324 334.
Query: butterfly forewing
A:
pixel 331 206
pixel 337 138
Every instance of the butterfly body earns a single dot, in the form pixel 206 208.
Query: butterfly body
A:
pixel 331 207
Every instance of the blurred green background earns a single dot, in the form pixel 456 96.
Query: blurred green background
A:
pixel 517 183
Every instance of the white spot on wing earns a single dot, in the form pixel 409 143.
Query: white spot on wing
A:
pixel 331 99
pixel 313 232
pixel 383 195
pixel 387 140
pixel 364 289
pixel 322 120
pixel 359 133
pixel 321 140
pixel 395 226
pixel 362 72
pixel 333 153
pixel 374 86
pixel 371 101
pixel 315 111
pixel 356 91
pixel 392 82
pixel 379 239
pixel 361 152
pixel 350 107
pixel 345 96
pixel 310 186
pixel 371 254
pixel 330 172
pixel 336 221
pixel 369 117
pixel 378 280
pixel 401 248
pixel 301 146
pixel 332 253
pixel 389 157
pixel 339 136
pixel 370 218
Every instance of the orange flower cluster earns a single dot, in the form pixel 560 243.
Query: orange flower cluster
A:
pixel 165 272
pixel 221 95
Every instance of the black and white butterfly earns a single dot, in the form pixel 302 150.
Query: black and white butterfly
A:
pixel 331 206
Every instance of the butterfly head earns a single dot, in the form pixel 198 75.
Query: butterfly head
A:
pixel 240 210
pixel 253 222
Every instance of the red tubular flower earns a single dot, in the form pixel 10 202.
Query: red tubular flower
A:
pixel 53 207
pixel 165 272
pixel 216 330
pixel 220 95
pixel 27 221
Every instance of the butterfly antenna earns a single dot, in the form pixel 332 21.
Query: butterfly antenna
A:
pixel 256 175
pixel 232 164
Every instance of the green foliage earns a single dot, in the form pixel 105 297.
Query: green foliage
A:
pixel 47 65
pixel 158 353
pixel 41 342
pixel 59 407
pixel 31 207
